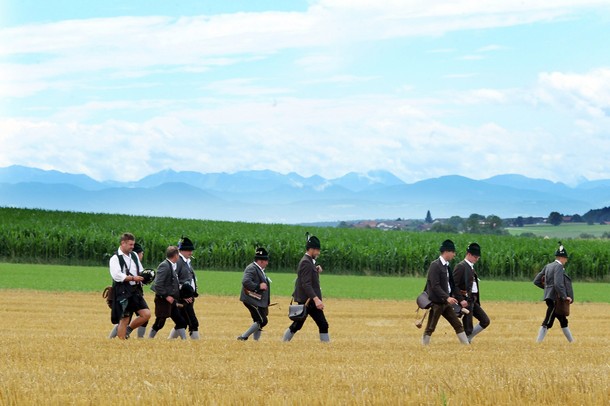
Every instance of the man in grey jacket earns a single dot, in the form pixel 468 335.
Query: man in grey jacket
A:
pixel 256 294
pixel 557 285
pixel 167 293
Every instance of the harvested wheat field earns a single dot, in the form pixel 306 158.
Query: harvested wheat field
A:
pixel 54 350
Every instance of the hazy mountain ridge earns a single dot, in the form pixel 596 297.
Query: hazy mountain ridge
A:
pixel 268 196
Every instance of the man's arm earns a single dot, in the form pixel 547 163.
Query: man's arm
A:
pixel 161 279
pixel 115 270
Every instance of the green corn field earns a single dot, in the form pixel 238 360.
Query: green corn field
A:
pixel 54 237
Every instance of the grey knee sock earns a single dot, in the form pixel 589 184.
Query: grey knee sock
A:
pixel 141 331
pixel 476 330
pixel 254 327
pixel 194 335
pixel 568 334
pixel 181 333
pixel 172 334
pixel 425 340
pixel 114 331
pixel 257 334
pixel 463 339
pixel 541 334
pixel 287 335
pixel 324 337
pixel 152 333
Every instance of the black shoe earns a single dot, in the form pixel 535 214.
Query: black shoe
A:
pixel 240 338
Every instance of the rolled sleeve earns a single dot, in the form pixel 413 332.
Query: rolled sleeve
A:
pixel 115 270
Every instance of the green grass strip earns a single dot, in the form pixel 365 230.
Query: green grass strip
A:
pixel 93 279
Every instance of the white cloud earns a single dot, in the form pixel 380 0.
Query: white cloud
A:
pixel 472 57
pixel 408 136
pixel 482 96
pixel 490 48
pixel 588 93
pixel 460 75
pixel 244 87
pixel 135 45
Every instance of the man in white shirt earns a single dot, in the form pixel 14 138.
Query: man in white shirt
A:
pixel 125 268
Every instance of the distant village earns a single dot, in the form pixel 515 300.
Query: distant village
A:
pixel 475 223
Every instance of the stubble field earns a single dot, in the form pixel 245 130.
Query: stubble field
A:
pixel 54 350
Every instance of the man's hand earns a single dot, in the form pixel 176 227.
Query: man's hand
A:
pixel 569 299
pixel 263 286
pixel 319 269
pixel 318 303
pixel 169 299
pixel 189 300
pixel 464 303
pixel 451 300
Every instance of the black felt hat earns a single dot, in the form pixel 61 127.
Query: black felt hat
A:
pixel 561 251
pixel 474 249
pixel 185 244
pixel 137 248
pixel 187 291
pixel 447 245
pixel 261 253
pixel 313 242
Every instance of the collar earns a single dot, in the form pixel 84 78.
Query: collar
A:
pixel 259 267
pixel 121 251
pixel 469 263
pixel 185 259
pixel 312 258
pixel 443 261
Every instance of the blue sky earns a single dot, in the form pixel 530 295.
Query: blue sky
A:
pixel 119 90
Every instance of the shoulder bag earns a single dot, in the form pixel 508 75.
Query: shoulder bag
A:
pixel 297 312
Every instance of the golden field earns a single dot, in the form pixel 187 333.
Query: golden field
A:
pixel 54 351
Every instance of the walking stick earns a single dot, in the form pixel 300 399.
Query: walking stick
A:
pixel 420 323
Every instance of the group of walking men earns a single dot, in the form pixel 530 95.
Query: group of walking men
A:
pixel 255 293
pixel 175 287
pixel 451 292
pixel 455 294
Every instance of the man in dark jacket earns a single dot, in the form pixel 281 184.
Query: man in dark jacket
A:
pixel 188 287
pixel 557 285
pixel 467 289
pixel 440 288
pixel 255 294
pixel 167 293
pixel 307 291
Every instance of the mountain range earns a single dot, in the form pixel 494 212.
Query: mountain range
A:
pixel 271 197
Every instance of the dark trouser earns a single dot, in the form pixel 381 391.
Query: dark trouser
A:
pixel 163 310
pixel 478 313
pixel 259 314
pixel 445 310
pixel 317 316
pixel 550 316
pixel 188 313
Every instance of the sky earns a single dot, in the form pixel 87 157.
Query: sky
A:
pixel 120 90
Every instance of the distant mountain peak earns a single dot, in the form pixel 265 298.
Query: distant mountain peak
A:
pixel 261 195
